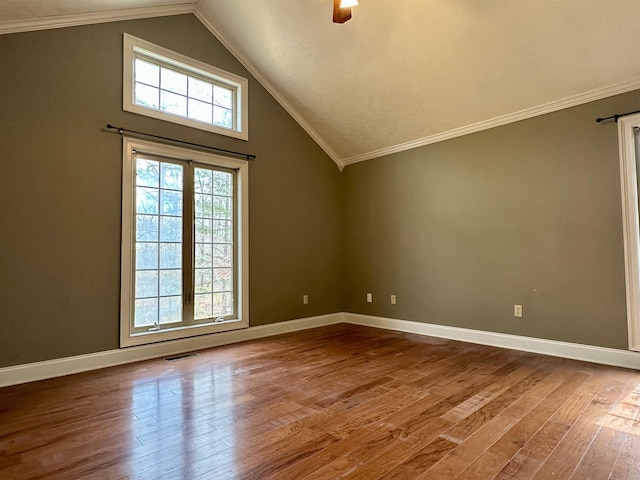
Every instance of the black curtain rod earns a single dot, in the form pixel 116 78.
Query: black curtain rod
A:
pixel 616 116
pixel 121 130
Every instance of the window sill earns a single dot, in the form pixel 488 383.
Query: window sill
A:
pixel 144 338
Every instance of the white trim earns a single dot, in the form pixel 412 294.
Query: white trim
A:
pixel 631 233
pixel 134 47
pixel 575 351
pixel 75 20
pixel 208 23
pixel 129 147
pixel 82 363
pixel 550 107
pixel 31 372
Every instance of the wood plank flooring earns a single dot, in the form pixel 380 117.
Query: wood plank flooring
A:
pixel 337 402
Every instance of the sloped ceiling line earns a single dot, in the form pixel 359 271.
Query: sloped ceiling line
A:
pixel 62 21
pixel 215 31
pixel 315 125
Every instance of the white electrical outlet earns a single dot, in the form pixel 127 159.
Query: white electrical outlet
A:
pixel 517 311
pixel 393 299
pixel 369 298
pixel 305 299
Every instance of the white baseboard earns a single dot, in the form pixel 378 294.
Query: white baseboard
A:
pixel 81 363
pixel 575 351
pixel 31 372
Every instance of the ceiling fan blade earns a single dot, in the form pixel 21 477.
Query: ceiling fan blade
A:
pixel 340 15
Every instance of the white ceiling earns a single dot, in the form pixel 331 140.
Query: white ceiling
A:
pixel 405 73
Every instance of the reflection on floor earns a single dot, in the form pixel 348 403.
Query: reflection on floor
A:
pixel 334 402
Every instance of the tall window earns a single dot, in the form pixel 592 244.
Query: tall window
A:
pixel 184 245
pixel 163 84
pixel 629 141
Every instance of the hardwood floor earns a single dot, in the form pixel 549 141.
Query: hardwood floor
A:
pixel 336 402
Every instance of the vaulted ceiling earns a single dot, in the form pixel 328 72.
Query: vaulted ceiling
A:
pixel 400 74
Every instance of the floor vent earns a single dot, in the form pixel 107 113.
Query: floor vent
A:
pixel 178 357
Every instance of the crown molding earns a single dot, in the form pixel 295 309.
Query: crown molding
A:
pixel 196 9
pixel 550 107
pixel 246 63
pixel 62 21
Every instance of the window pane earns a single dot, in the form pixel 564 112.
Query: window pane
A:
pixel 147 73
pixel 170 255
pixel 162 193
pixel 222 279
pixel 173 81
pixel 170 309
pixel 146 312
pixel 173 103
pixel 201 90
pixel 203 180
pixel 213 242
pixel 171 203
pixel 146 256
pixel 171 229
pixel 203 255
pixel 147 172
pixel 223 96
pixel 171 176
pixel 146 283
pixel 202 306
pixel 170 282
pixel 146 228
pixel 222 304
pixel 147 96
pixel 200 111
pixel 147 200
pixel 222 256
pixel 204 280
pixel 203 230
pixel 222 117
pixel 204 205
pixel 222 208
pixel 223 182
pixel 222 231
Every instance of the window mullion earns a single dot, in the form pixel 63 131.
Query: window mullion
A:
pixel 188 247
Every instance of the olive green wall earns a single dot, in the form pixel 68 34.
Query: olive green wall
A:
pixel 528 213
pixel 460 231
pixel 60 190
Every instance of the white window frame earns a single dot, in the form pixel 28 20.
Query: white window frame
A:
pixel 130 148
pixel 631 231
pixel 134 47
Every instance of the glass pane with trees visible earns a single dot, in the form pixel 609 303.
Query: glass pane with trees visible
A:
pixel 214 275
pixel 158 247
